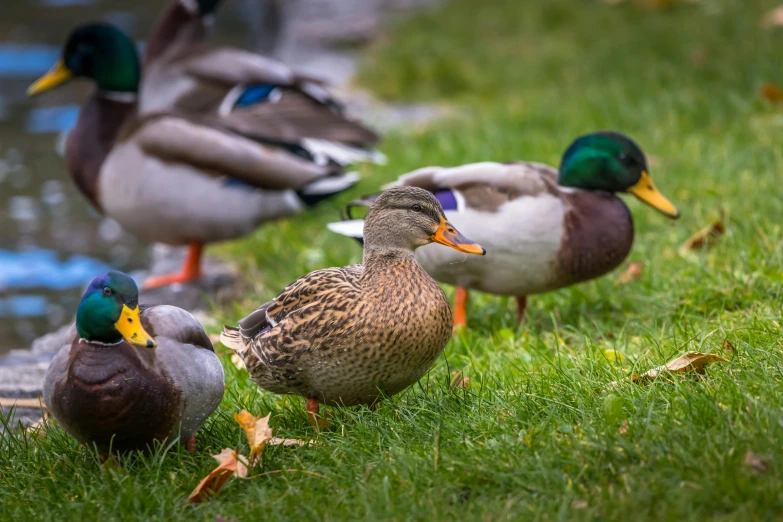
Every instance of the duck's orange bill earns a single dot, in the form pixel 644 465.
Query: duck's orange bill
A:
pixel 451 237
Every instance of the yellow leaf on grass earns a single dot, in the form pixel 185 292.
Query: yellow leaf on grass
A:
pixel 257 430
pixel 707 236
pixel 230 464
pixel 631 273
pixel 687 362
pixel 458 381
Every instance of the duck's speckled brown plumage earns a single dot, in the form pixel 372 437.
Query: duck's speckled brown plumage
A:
pixel 125 397
pixel 350 335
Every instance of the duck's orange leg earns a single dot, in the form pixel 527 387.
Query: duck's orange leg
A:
pixel 191 270
pixel 460 307
pixel 190 445
pixel 312 407
pixel 521 306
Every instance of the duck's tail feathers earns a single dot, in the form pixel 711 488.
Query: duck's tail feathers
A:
pixel 340 153
pixel 326 187
pixel 231 338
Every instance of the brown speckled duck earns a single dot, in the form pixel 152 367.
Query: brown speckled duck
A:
pixel 217 143
pixel 131 376
pixel 544 228
pixel 350 335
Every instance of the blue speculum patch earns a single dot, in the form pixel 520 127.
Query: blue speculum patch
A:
pixel 254 94
pixel 447 199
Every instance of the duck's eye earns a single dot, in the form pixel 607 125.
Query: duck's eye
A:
pixel 106 291
pixel 625 159
pixel 416 207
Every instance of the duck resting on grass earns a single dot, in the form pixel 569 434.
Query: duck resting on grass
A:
pixel 189 178
pixel 130 376
pixel 544 228
pixel 352 335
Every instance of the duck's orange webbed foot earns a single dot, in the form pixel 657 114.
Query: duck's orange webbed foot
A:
pixel 315 419
pixel 460 308
pixel 191 270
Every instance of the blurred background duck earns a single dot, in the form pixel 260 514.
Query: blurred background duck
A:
pixel 351 335
pixel 131 376
pixel 543 228
pixel 216 144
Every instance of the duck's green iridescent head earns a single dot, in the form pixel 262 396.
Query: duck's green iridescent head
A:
pixel 611 162
pixel 100 52
pixel 109 312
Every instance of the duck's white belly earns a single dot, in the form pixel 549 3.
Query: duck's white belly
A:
pixel 522 240
pixel 173 203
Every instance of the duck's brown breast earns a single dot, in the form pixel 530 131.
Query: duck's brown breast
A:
pixel 112 398
pixel 597 236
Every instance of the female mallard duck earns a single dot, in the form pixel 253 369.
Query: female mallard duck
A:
pixel 130 376
pixel 350 335
pixel 197 178
pixel 545 229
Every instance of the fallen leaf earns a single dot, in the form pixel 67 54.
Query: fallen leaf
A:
pixel 687 362
pixel 771 92
pixel 706 236
pixel 579 504
pixel 8 402
pixel 258 433
pixel 773 18
pixel 631 273
pixel 758 464
pixel 458 381
pixel 238 362
pixel 623 429
pixel 230 464
pixel 728 347
pixel 277 441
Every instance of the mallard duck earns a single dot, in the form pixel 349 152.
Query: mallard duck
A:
pixel 351 335
pixel 545 228
pixel 194 178
pixel 132 375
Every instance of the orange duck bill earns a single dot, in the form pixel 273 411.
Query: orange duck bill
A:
pixel 447 235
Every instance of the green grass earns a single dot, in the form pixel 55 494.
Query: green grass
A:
pixel 535 437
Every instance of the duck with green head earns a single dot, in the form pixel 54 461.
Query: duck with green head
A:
pixel 544 228
pixel 202 164
pixel 131 375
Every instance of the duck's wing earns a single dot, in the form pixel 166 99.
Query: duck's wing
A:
pixel 182 24
pixel 484 186
pixel 215 150
pixel 175 324
pixel 58 368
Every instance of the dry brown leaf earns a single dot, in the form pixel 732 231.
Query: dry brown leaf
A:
pixel 458 381
pixel 758 464
pixel 707 236
pixel 623 429
pixel 8 402
pixel 687 362
pixel 258 433
pixel 773 18
pixel 631 273
pixel 237 361
pixel 771 92
pixel 579 504
pixel 230 464
pixel 728 347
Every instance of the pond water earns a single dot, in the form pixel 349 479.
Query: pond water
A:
pixel 51 242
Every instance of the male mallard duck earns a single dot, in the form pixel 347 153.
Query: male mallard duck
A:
pixel 130 375
pixel 197 178
pixel 545 229
pixel 350 335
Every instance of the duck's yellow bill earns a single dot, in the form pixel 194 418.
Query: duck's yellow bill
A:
pixel 129 325
pixel 451 237
pixel 645 190
pixel 58 75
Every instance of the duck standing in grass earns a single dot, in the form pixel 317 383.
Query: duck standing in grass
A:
pixel 351 335
pixel 131 376
pixel 261 150
pixel 544 228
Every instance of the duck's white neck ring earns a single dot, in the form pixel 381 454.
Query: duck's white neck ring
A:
pixel 119 96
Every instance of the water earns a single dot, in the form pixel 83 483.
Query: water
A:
pixel 51 242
